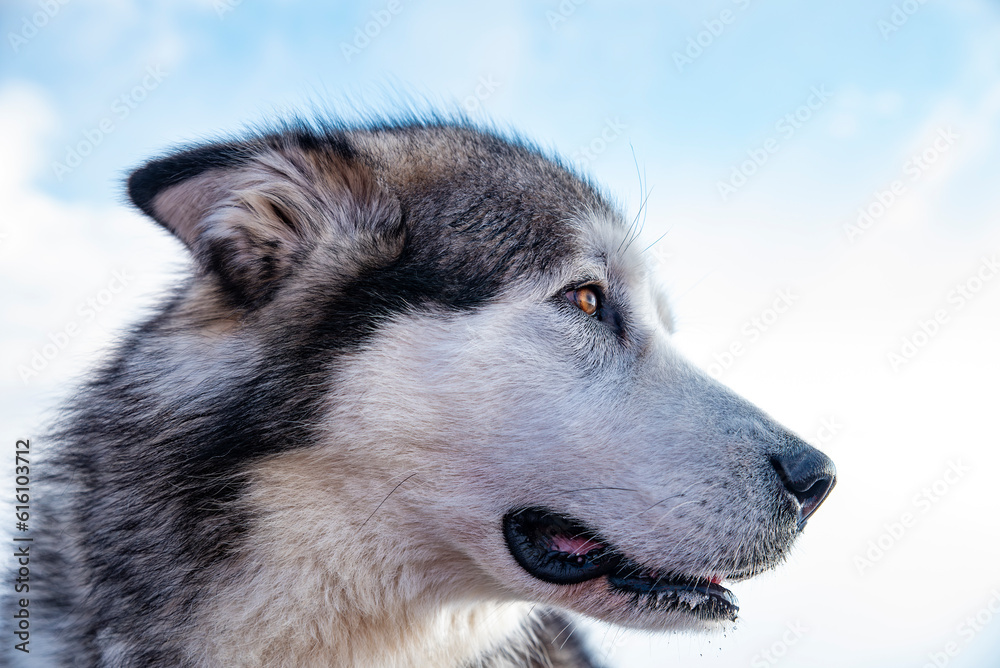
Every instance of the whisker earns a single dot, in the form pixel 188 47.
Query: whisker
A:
pixel 589 489
pixel 658 239
pixel 387 498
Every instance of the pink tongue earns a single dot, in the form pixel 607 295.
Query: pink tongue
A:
pixel 574 545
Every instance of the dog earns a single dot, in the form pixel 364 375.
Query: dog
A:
pixel 416 402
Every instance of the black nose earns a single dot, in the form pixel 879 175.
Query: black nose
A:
pixel 807 474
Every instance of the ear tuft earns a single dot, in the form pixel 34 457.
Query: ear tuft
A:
pixel 250 212
pixel 145 183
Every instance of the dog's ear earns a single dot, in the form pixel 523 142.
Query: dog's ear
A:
pixel 249 212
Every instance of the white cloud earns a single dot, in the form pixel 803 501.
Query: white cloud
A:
pixel 55 256
pixel 826 358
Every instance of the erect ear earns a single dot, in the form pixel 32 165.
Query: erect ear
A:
pixel 249 212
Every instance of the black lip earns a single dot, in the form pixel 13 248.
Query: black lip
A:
pixel 528 532
pixel 706 599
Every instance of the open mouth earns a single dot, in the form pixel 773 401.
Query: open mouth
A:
pixel 556 549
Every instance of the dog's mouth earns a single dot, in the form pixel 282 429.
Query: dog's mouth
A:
pixel 559 550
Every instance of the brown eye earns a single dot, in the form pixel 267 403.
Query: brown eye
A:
pixel 586 299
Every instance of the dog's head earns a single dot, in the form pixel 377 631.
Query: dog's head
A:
pixel 475 373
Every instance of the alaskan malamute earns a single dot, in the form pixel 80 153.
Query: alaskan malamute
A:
pixel 417 400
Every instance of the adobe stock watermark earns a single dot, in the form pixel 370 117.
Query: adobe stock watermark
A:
pixel 794 632
pixel 966 632
pixel 657 256
pixel 87 310
pixel 957 298
pixel 31 25
pixel 613 129
pixel 786 127
pixel 914 168
pixel 483 91
pixel 922 503
pixel 605 644
pixel 565 9
pixel 365 34
pixel 829 428
pixel 900 14
pixel 701 41
pixel 223 7
pixel 751 332
pixel 121 108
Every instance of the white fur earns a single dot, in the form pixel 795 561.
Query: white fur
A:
pixel 390 530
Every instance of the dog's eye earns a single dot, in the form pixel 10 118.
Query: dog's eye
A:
pixel 586 299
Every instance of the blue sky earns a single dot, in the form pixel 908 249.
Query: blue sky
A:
pixel 128 79
pixel 557 81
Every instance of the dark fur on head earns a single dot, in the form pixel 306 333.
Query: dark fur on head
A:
pixel 304 239
pixel 400 304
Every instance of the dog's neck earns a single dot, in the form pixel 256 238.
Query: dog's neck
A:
pixel 316 583
pixel 301 636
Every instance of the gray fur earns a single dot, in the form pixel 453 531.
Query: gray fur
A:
pixel 304 457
